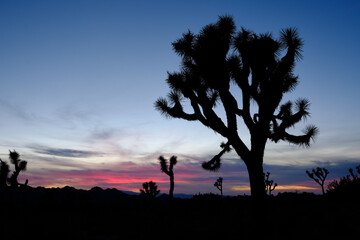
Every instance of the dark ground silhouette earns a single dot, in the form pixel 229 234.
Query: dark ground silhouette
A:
pixel 68 213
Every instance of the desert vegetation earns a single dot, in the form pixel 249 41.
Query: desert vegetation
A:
pixel 167 168
pixel 219 185
pixel 261 67
pixel 270 185
pixel 219 57
pixel 319 176
pixel 69 213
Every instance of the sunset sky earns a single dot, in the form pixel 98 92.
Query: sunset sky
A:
pixel 78 82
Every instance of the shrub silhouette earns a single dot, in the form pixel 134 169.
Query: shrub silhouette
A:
pixel 168 170
pixel 348 186
pixel 20 165
pixel 150 189
pixel 319 175
pixel 269 184
pixel 4 171
pixel 218 185
pixel 218 58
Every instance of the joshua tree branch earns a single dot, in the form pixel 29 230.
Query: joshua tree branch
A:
pixel 215 163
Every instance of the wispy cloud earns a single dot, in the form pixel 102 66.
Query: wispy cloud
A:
pixel 65 152
pixel 15 110
pixel 83 168
pixel 103 134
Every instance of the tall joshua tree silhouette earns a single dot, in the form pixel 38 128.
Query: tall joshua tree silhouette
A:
pixel 20 165
pixel 168 170
pixel 319 175
pixel 217 61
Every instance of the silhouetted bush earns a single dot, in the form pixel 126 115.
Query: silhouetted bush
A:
pixel 269 184
pixel 347 187
pixel 206 196
pixel 150 190
pixel 4 171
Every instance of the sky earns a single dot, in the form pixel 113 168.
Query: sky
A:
pixel 78 82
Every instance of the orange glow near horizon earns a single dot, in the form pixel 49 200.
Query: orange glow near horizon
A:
pixel 295 187
pixel 241 188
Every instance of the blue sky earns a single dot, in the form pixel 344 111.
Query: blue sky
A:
pixel 78 80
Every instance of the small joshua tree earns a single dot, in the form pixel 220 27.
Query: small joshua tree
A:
pixel 218 185
pixel 319 175
pixel 269 184
pixel 20 165
pixel 150 189
pixel 168 170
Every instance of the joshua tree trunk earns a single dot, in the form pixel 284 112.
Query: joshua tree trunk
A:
pixel 258 204
pixel 13 179
pixel 256 178
pixel 253 160
pixel 322 189
pixel 172 186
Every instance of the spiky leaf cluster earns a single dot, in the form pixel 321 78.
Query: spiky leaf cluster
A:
pixel 19 164
pixel 165 166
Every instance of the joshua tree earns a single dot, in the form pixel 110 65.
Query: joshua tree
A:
pixel 218 185
pixel 20 165
pixel 168 170
pixel 4 171
pixel 150 189
pixel 319 175
pixel 219 61
pixel 269 184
